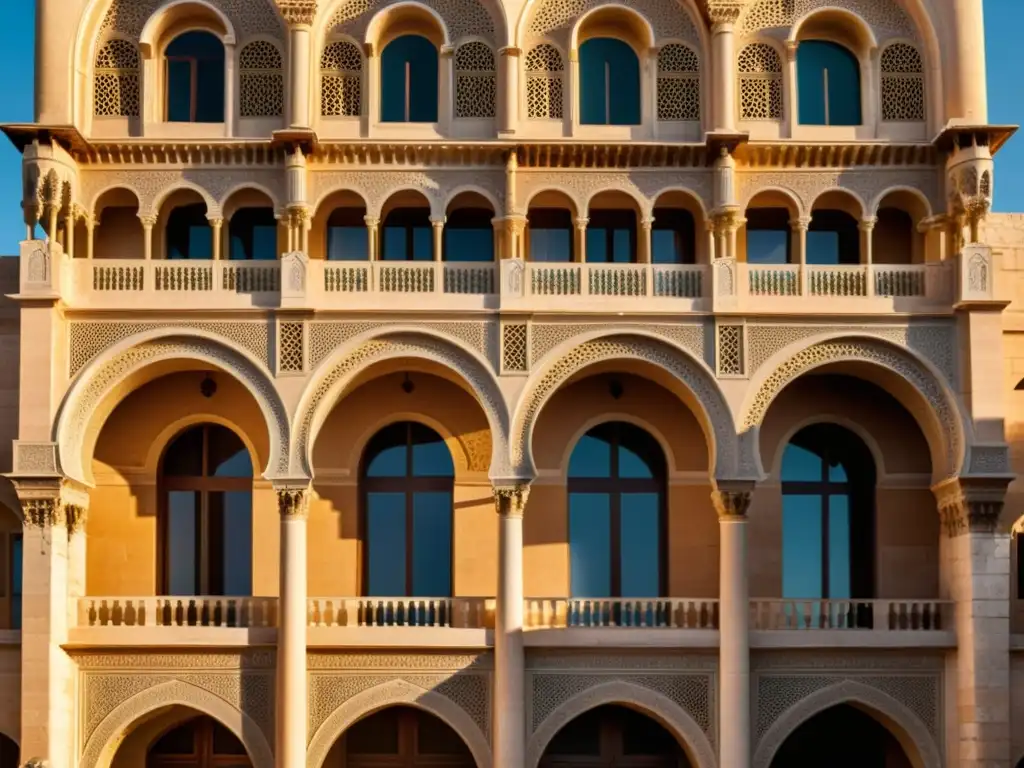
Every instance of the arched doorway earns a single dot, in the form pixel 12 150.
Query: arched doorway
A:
pixel 400 737
pixel 201 742
pixel 866 743
pixel 9 753
pixel 613 736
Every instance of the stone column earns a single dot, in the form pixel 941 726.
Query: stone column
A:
pixel 69 230
pixel 437 230
pixel 644 252
pixel 299 15
pixel 798 228
pixel 446 93
pixel 90 236
pixel 230 91
pixel 789 107
pixel 724 15
pixel 372 237
pixel 509 657
pixel 148 222
pixel 53 578
pixel 709 226
pixel 580 241
pixel 734 638
pixel 293 505
pixel 217 225
pixel 509 63
pixel 867 229
pixel 975 561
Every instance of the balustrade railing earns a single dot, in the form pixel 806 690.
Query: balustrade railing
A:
pixel 671 613
pixel 884 615
pixel 398 612
pixel 241 612
pixel 773 279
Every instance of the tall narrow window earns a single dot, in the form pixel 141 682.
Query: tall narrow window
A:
pixel 189 235
pixel 673 237
pixel 828 84
pixel 678 83
pixel 407 482
pixel 206 515
pixel 902 84
pixel 195 79
pixel 611 237
pixel 407 235
pixel 760 76
pixel 828 487
pixel 341 78
pixel 476 86
pixel 116 80
pixel 544 70
pixel 616 513
pixel 609 83
pixel 253 234
pixel 409 81
pixel 261 80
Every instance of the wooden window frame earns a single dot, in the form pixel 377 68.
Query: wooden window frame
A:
pixel 408 755
pixel 203 755
pixel 405 218
pixel 612 753
pixel 614 487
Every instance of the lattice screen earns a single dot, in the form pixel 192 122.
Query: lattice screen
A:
pixel 544 70
pixel 514 353
pixel 261 76
pixel 116 80
pixel 730 350
pixel 760 75
pixel 475 80
pixel 678 83
pixel 902 84
pixel 341 80
pixel 291 347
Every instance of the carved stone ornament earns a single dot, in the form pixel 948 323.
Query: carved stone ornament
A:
pixel 510 500
pixel 43 512
pixel 731 504
pixel 298 11
pixel 725 11
pixel 969 509
pixel 293 502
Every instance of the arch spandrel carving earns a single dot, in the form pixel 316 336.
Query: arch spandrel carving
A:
pixel 249 17
pixel 77 422
pixel 462 18
pixel 554 19
pixel 330 381
pixel 885 17
pixel 874 700
pixel 937 410
pixel 416 693
pixel 646 700
pixel 645 187
pixel 102 744
pixel 551 373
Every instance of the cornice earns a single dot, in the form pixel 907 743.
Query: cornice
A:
pixel 807 155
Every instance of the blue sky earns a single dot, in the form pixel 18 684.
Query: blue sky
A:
pixel 1003 21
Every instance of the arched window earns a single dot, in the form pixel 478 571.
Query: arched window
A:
pixel 195 79
pixel 253 233
pixel 609 83
pixel 551 234
pixel 828 498
pixel 678 83
pixel 760 73
pixel 902 84
pixel 828 84
pixel 611 736
pixel 404 737
pixel 347 235
pixel 616 513
pixel 206 514
pixel 865 742
pixel 469 235
pixel 199 743
pixel 407 235
pixel 261 79
pixel 116 80
pixel 10 755
pixel 475 80
pixel 189 235
pixel 544 70
pixel 408 81
pixel 341 80
pixel 407 482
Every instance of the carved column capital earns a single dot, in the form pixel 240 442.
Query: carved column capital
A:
pixel 293 502
pixel 510 500
pixel 724 14
pixel 298 12
pixel 732 503
pixel 47 503
pixel 148 222
pixel 968 507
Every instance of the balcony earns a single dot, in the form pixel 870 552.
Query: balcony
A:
pixel 514 285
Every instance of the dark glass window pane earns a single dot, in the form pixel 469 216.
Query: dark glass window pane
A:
pixel 237 540
pixel 348 244
pixel 434 737
pixel 643 736
pixel 622 246
pixel 597 245
pixel 432 544
pixel 180 741
pixel 374 735
pixel 828 84
pixel 590 545
pixel 385 544
pixel 430 456
pixel 640 537
pixel 395 244
pixel 592 457
pixel 387 451
pixel 210 84
pixel 632 464
pixel 800 465
pixel 182 540
pixel 767 246
pixel 609 68
pixel 422 244
pixel 839 546
pixel 17 588
pixel 469 244
pixel 550 245
pixel 666 247
pixel 179 91
pixel 264 243
pixel 409 69
pixel 184 456
pixel 200 242
pixel 801 546
pixel 581 736
pixel 837 473
pixel 823 248
pixel 227 456
pixel 225 742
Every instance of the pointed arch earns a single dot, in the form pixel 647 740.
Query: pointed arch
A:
pixel 655 705
pixel 102 744
pixel 912 734
pixel 389 694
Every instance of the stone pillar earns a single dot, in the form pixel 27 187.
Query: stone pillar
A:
pixel 372 237
pixel 217 225
pixel 709 226
pixel 372 84
pixel 509 657
pixel 293 504
pixel 734 642
pixel 798 228
pixel 446 93
pixel 53 578
pixel 299 16
pixel 789 108
pixel 90 236
pixel 509 72
pixel 724 15
pixel 230 91
pixel 148 222
pixel 976 575
pixel 644 252
pixel 69 230
pixel 867 229
pixel 437 230
pixel 968 75
pixel 580 241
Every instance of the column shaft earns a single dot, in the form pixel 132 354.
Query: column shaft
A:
pixel 509 657
pixel 299 113
pixel 724 47
pixel 580 243
pixel 291 633
pixel 147 235
pixel 510 89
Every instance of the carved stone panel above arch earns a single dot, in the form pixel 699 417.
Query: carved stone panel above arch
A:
pixel 554 19
pixel 463 18
pixel 886 18
pixel 644 186
pixel 249 17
